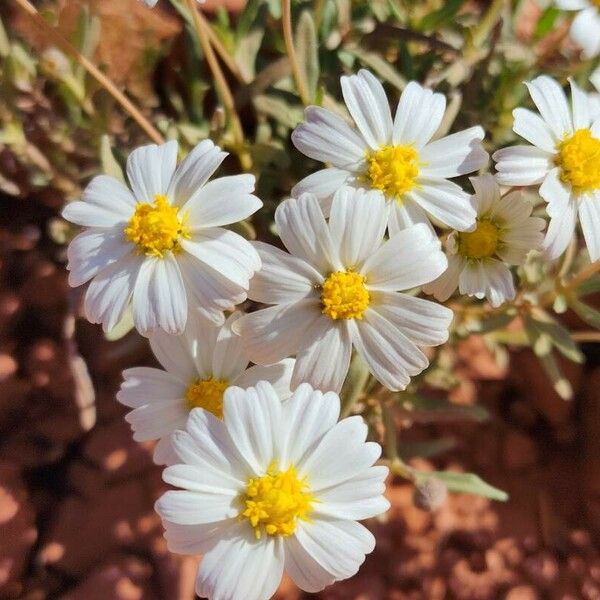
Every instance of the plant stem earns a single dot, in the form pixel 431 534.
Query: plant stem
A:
pixel 102 79
pixel 583 275
pixel 586 336
pixel 202 31
pixel 222 52
pixel 286 21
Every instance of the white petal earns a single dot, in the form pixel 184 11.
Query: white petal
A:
pixel 109 292
pixel 390 355
pixel 511 209
pixel 194 171
pixel 418 116
pixel 584 31
pixel 490 278
pixel 453 155
pixel 283 278
pixel 199 538
pixel 357 498
pixel 589 216
pixel 338 546
pixel 405 214
pixel 145 385
pixel 552 103
pixel 226 252
pixel 423 322
pixel 487 193
pixel 534 129
pixel 571 4
pixel 341 454
pixel 325 362
pixel 446 202
pixel 304 232
pixel 206 444
pixel 411 258
pixel 221 202
pixel 278 375
pixel 305 571
pixel 159 297
pixel 196 479
pixel 556 193
pixel 322 184
pixel 105 202
pixel 190 508
pixel 519 240
pixel 150 169
pixel 443 287
pixel 163 452
pixel 229 358
pixel 240 566
pixel 253 419
pixel 213 291
pixel 327 137
pixel 522 165
pixel 582 111
pixel 158 419
pixel 174 352
pixel 367 103
pixel 357 224
pixel 92 251
pixel 272 334
pixel 306 417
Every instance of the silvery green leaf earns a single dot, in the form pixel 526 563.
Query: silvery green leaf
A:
pixel 307 50
pixel 429 410
pixel 110 166
pixel 590 315
pixel 122 328
pixel 467 483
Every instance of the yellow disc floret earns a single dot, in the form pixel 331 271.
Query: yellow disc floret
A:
pixel 480 243
pixel 207 394
pixel 579 161
pixel 344 295
pixel 393 170
pixel 156 227
pixel 274 502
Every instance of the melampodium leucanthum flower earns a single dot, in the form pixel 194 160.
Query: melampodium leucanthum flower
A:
pixel 397 158
pixel 564 159
pixel 274 485
pixel 339 287
pixel 478 260
pixel 200 365
pixel 161 246
pixel 585 29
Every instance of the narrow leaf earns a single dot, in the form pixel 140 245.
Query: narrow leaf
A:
pixel 467 483
pixel 307 49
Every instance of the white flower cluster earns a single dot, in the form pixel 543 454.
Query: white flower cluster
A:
pixel 268 478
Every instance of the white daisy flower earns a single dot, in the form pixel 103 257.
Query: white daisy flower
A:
pixel 564 159
pixel 272 486
pixel 478 260
pixel 585 29
pixel 161 246
pixel 339 287
pixel 199 366
pixel 397 158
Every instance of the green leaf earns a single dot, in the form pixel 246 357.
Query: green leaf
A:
pixel 590 315
pixel 110 166
pixel 122 328
pixel 491 324
pixel 438 17
pixel 546 22
pixel 428 449
pixel 591 286
pixel 546 333
pixel 307 49
pixel 278 109
pixel 383 68
pixel 429 410
pixel 467 483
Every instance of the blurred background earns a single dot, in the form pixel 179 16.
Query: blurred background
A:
pixel 77 493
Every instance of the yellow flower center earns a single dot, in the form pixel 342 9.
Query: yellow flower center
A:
pixel 393 170
pixel 579 161
pixel 156 227
pixel 480 243
pixel 207 394
pixel 344 295
pixel 274 503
